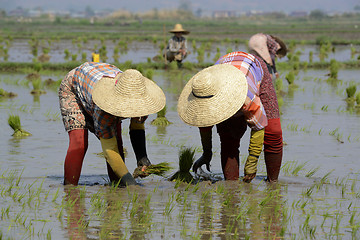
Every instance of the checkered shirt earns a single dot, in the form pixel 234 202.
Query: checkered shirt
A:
pixel 251 67
pixel 85 77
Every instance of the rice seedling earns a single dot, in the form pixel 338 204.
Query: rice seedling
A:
pixel 279 85
pixel 334 69
pixel 6 94
pixel 350 91
pixel 312 172
pixel 37 84
pixel 186 159
pixel 290 77
pixel 161 119
pixel 311 56
pixel 201 53
pixel 337 135
pixel 298 168
pixel 159 169
pixel 15 124
pixel 217 55
pixel 149 73
pixel 357 100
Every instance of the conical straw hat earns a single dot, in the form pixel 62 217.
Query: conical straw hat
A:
pixel 129 94
pixel 178 28
pixel 212 95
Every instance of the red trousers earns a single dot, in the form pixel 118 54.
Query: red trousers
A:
pixel 231 132
pixel 78 144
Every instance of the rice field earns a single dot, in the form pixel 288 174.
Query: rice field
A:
pixel 317 196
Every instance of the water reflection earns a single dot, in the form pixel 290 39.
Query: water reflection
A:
pixel 206 212
pixel 15 145
pixel 75 209
pixel 265 213
pixel 230 201
pixel 36 98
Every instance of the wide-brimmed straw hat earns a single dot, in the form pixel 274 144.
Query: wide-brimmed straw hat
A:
pixel 179 29
pixel 283 49
pixel 129 94
pixel 212 95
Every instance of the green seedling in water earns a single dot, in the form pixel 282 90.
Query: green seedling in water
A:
pixel 6 94
pixel 290 77
pixel 357 99
pixel 312 172
pixel 334 68
pixel 186 159
pixel 311 56
pixel 14 123
pixel 278 84
pixel 37 86
pixel 161 120
pixel 350 91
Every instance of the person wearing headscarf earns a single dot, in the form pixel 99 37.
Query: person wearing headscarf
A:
pixel 96 97
pixel 268 47
pixel 177 45
pixel 235 93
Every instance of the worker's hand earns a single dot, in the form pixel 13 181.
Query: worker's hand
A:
pixel 249 177
pixel 139 119
pixel 182 51
pixel 144 161
pixel 204 159
pixel 277 75
pixel 140 172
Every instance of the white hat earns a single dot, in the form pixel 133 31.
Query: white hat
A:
pixel 258 42
pixel 212 95
pixel 129 94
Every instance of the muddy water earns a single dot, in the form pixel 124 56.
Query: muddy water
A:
pixel 319 132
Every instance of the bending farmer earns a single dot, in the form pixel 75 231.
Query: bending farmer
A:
pixel 96 97
pixel 268 47
pixel 235 93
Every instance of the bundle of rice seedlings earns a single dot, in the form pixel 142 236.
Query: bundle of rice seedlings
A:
pixel 350 95
pixel 161 120
pixel 186 159
pixel 357 99
pixel 350 91
pixel 14 123
pixel 37 86
pixel 6 94
pixel 157 169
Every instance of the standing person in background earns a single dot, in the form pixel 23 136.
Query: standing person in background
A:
pixel 235 93
pixel 97 97
pixel 95 56
pixel 268 47
pixel 177 45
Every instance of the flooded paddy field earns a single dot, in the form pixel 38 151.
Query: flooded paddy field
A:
pixel 20 50
pixel 317 196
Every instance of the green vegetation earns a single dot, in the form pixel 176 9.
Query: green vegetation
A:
pixel 5 94
pixel 161 119
pixel 186 159
pixel 126 28
pixel 14 123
